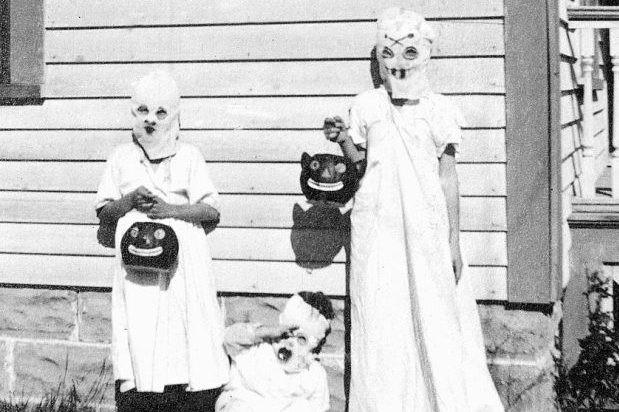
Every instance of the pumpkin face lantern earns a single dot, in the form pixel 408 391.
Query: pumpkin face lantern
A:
pixel 328 178
pixel 149 246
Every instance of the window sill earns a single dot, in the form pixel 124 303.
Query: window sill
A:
pixel 20 94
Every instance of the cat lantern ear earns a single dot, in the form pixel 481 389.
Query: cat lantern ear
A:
pixel 305 160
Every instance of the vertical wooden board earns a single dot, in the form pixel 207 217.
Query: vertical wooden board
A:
pixel 258 42
pixel 114 13
pixel 529 92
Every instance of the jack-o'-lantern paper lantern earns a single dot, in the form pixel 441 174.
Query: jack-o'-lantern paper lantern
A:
pixel 328 178
pixel 149 246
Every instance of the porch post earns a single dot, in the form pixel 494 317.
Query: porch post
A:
pixel 588 176
pixel 532 98
pixel 614 160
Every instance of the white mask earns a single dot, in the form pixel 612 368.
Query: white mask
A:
pixel 310 327
pixel 155 107
pixel 403 48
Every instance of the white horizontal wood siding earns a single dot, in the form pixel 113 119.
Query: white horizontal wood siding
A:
pixel 257 79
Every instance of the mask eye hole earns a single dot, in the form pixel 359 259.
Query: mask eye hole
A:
pixel 142 109
pixel 410 53
pixel 340 167
pixel 134 232
pixel 159 234
pixel 314 165
pixel 161 113
pixel 387 53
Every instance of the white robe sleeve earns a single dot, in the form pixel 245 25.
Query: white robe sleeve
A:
pixel 108 189
pixel 201 188
pixel 357 125
pixel 446 125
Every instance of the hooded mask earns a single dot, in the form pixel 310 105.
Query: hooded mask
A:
pixel 155 107
pixel 310 326
pixel 403 48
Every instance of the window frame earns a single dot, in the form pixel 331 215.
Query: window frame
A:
pixel 22 59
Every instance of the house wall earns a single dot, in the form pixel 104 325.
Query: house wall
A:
pixel 256 83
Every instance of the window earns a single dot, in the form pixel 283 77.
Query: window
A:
pixel 21 51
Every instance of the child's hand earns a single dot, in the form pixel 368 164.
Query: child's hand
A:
pixel 160 209
pixel 142 199
pixel 335 129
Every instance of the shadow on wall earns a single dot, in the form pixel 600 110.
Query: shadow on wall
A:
pixel 318 234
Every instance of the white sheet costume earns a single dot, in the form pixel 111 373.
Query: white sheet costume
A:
pixel 415 336
pixel 261 382
pixel 167 329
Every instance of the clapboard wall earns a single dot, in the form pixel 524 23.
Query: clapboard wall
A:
pixel 256 79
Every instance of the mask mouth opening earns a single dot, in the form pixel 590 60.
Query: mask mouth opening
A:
pixel 398 73
pixel 149 129
pixel 284 354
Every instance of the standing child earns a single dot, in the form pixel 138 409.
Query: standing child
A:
pixel 274 367
pixel 167 344
pixel 416 341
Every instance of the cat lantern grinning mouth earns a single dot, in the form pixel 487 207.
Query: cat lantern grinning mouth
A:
pixel 327 187
pixel 145 252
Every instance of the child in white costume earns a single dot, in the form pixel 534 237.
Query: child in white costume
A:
pixel 416 342
pixel 274 368
pixel 167 327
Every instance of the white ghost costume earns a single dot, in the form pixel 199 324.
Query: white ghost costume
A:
pixel 167 328
pixel 416 342
pixel 259 382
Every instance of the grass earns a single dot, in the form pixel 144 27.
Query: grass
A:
pixel 75 396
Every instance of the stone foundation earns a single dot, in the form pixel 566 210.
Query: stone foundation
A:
pixel 49 337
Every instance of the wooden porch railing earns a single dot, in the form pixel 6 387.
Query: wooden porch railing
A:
pixel 591 22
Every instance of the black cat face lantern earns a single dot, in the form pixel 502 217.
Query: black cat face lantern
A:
pixel 328 178
pixel 149 246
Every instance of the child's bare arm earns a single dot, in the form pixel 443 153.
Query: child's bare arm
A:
pixel 449 183
pixel 195 213
pixel 240 336
pixel 336 131
pixel 140 199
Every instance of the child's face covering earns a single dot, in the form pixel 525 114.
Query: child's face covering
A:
pixel 155 109
pixel 308 328
pixel 403 47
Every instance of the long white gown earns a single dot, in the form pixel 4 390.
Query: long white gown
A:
pixel 167 329
pixel 416 342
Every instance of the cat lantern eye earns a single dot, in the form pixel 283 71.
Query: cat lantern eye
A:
pixel 314 165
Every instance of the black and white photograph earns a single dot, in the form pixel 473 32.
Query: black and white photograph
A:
pixel 309 205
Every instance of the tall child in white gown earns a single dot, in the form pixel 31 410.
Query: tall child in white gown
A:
pixel 416 342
